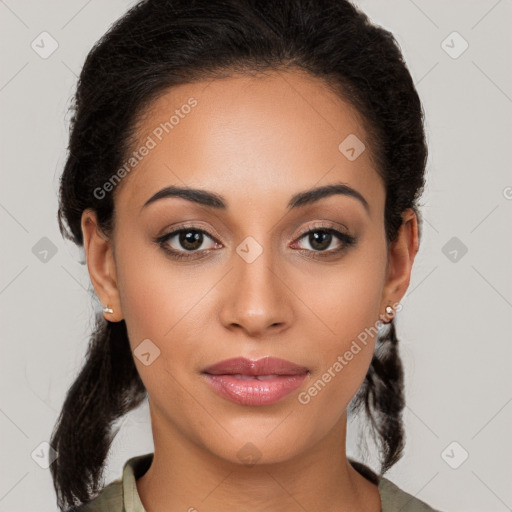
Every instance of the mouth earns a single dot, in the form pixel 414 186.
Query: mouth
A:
pixel 264 367
pixel 260 382
pixel 239 376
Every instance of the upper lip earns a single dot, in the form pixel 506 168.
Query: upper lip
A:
pixel 263 366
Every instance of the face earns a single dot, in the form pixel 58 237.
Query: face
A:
pixel 253 273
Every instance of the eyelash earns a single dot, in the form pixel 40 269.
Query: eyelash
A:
pixel 347 241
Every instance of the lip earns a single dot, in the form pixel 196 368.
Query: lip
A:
pixel 264 366
pixel 260 382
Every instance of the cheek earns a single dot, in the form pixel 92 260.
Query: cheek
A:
pixel 344 327
pixel 344 353
pixel 164 304
pixel 148 298
pixel 347 300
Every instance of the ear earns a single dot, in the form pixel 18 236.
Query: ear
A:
pixel 402 252
pixel 101 264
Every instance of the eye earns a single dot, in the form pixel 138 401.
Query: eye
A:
pixel 320 238
pixel 189 242
pixel 188 239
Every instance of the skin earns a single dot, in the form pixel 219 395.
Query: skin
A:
pixel 256 141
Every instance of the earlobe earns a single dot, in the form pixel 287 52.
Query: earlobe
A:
pixel 402 252
pixel 101 265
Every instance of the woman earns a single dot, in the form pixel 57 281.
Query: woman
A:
pixel 243 177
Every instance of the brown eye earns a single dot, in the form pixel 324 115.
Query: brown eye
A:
pixel 185 240
pixel 320 239
pixel 190 240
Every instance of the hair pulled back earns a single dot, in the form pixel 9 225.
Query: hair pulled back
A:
pixel 159 44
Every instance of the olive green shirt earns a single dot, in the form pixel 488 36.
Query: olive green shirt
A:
pixel 122 496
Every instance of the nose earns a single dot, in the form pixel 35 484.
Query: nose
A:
pixel 256 298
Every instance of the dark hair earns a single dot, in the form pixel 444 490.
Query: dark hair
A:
pixel 158 44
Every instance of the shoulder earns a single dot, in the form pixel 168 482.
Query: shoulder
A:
pixel 121 494
pixel 394 498
pixel 110 499
pixel 391 496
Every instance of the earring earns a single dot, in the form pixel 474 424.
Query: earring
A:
pixel 106 309
pixel 387 317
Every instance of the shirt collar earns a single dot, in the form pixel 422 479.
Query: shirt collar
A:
pixel 133 469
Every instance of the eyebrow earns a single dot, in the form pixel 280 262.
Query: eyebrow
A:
pixel 213 200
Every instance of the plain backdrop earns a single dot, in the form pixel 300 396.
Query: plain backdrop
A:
pixel 454 329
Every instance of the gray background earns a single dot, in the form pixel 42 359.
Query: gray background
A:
pixel 454 329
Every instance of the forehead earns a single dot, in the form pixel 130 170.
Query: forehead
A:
pixel 249 137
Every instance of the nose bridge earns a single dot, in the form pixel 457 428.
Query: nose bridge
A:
pixel 255 263
pixel 257 299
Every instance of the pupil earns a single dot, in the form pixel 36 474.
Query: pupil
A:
pixel 188 239
pixel 315 238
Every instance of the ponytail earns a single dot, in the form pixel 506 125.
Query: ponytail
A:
pixel 107 387
pixel 382 394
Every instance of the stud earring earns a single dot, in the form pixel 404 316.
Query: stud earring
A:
pixel 106 309
pixel 387 317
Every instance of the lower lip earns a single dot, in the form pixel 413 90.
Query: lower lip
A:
pixel 254 391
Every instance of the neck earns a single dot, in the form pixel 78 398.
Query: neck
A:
pixel 186 476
